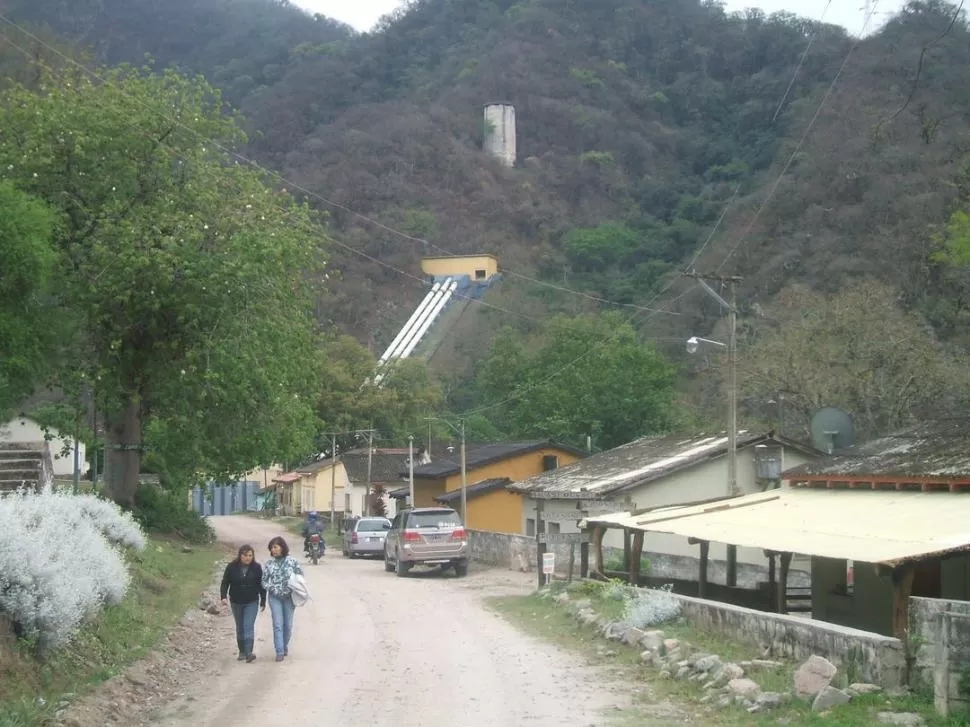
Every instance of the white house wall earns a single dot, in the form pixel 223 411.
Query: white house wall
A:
pixel 24 430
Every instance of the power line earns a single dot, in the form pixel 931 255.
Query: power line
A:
pixel 818 111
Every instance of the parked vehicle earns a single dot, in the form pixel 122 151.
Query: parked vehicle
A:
pixel 366 537
pixel 426 536
pixel 315 548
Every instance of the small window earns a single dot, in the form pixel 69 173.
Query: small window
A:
pixel 480 274
pixel 530 527
pixel 550 462
pixel 553 527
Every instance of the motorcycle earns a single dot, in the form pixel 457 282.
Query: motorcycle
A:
pixel 314 548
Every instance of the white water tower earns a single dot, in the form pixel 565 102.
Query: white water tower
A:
pixel 500 132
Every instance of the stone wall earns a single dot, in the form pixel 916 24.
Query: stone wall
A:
pixel 925 637
pixel 861 655
pixel 686 568
pixel 516 552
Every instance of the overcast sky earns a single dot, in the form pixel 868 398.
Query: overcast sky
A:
pixel 362 14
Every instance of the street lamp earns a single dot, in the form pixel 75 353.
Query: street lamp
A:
pixel 460 430
pixel 693 344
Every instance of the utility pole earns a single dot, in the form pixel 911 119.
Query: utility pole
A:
pixel 460 429
pixel 411 470
pixel 333 482
pixel 464 479
pixel 370 463
pixel 732 393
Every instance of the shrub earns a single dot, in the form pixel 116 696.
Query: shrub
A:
pixel 164 512
pixel 652 606
pixel 61 562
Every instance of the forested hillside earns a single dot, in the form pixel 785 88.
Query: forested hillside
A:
pixel 639 125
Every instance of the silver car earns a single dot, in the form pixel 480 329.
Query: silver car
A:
pixel 426 536
pixel 366 537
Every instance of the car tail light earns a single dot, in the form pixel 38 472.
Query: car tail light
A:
pixel 412 536
pixel 353 538
pixel 458 534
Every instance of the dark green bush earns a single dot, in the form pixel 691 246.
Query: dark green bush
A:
pixel 168 513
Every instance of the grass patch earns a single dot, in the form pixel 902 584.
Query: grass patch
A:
pixel 166 581
pixel 553 623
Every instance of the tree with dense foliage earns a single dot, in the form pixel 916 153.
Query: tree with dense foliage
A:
pixel 190 279
pixel 348 398
pixel 591 376
pixel 27 319
pixel 858 350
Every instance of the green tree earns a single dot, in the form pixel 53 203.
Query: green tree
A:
pixel 347 398
pixel 590 377
pixel 26 319
pixel 186 272
pixel 857 350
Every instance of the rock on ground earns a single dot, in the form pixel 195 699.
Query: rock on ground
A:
pixel 813 676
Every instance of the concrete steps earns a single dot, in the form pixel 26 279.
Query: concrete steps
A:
pixel 21 464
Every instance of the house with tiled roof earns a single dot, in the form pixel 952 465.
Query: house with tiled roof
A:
pixel 490 507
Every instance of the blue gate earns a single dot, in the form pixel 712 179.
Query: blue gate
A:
pixel 226 499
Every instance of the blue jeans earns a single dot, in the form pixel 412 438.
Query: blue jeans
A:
pixel 245 616
pixel 282 611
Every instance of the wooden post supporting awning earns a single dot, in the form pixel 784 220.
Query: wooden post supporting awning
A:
pixel 902 577
pixel 636 557
pixel 702 566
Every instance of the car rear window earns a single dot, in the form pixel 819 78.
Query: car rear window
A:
pixel 373 525
pixel 434 519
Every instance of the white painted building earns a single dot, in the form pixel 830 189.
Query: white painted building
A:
pixel 24 430
pixel 658 471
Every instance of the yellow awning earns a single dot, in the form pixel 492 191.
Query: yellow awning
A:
pixel 887 527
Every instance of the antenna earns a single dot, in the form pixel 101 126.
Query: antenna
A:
pixel 832 430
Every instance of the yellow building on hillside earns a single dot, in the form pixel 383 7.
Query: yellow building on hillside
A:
pixel 477 267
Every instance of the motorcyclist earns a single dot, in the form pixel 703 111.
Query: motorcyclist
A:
pixel 313 526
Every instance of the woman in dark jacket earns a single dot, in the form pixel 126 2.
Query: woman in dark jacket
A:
pixel 243 582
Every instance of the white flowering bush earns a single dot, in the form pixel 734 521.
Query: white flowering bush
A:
pixel 652 606
pixel 61 561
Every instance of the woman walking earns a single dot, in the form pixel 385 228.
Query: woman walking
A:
pixel 243 583
pixel 276 581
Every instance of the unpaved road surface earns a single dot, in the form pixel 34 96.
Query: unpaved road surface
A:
pixel 375 650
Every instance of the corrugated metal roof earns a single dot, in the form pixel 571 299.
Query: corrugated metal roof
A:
pixel 871 527
pixel 933 450
pixel 640 461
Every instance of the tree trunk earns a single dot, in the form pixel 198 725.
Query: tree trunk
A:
pixel 123 453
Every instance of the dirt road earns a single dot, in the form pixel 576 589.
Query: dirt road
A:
pixel 372 649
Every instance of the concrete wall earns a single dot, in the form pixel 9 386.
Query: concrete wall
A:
pixel 925 637
pixel 860 655
pixel 460 265
pixel 868 606
pixel 516 552
pixel 500 132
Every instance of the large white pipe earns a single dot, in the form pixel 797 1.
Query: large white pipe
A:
pixel 425 314
pixel 406 328
pixel 429 321
pixel 428 313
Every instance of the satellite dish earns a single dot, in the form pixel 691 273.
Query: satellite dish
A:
pixel 832 430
